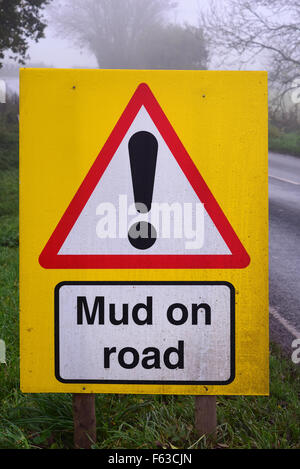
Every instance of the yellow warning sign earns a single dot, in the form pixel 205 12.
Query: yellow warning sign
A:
pixel 144 228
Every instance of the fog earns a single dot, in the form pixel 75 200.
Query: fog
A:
pixel 60 53
pixel 55 51
pixel 181 47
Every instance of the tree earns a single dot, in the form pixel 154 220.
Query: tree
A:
pixel 259 27
pixel 130 33
pixel 173 47
pixel 20 21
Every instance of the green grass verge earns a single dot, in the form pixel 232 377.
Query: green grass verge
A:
pixel 9 220
pixel 133 421
pixel 284 142
pixel 9 156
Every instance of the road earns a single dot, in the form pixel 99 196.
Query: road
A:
pixel 284 217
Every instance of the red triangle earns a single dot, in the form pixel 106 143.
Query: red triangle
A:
pixel 49 257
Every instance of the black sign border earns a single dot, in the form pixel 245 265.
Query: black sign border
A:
pixel 149 382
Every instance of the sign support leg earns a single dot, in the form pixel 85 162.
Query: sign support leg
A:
pixel 205 415
pixel 84 417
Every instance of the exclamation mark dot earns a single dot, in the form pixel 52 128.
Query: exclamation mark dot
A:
pixel 143 148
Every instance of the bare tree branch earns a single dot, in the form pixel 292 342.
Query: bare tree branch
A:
pixel 268 28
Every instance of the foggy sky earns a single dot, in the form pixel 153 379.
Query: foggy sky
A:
pixel 61 53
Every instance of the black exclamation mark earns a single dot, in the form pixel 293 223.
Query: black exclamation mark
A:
pixel 143 148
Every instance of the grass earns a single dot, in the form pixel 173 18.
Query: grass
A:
pixel 130 421
pixel 284 142
pixel 9 226
pixel 8 147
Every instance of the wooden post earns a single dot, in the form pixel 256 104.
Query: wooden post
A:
pixel 205 415
pixel 84 417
